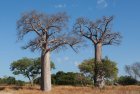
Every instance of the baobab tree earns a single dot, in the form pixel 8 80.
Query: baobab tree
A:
pixel 99 33
pixel 49 35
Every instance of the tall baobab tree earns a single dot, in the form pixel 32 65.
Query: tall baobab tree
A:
pixel 49 35
pixel 99 33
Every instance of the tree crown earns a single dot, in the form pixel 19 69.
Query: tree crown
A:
pixel 99 31
pixel 48 28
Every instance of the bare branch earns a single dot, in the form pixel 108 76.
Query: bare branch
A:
pixel 48 28
pixel 36 31
pixel 62 41
pixel 98 31
pixel 112 38
pixel 33 44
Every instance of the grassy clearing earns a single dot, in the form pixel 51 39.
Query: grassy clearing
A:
pixel 71 90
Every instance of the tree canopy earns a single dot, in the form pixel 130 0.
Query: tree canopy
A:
pixel 49 29
pixel 99 31
pixel 28 67
pixel 110 68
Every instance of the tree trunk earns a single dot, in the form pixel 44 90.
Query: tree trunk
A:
pixel 99 72
pixel 45 72
pixel 32 82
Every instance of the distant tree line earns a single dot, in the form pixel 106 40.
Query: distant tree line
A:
pixel 127 80
pixel 11 81
pixel 68 78
pixel 30 68
pixel 133 75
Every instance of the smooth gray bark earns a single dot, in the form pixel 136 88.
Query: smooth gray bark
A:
pixel 45 72
pixel 98 52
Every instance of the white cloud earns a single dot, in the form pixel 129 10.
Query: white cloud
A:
pixel 66 58
pixel 61 60
pixel 76 63
pixel 102 3
pixel 60 5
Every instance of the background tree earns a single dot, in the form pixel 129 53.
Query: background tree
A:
pixel 70 78
pixel 11 81
pixel 133 70
pixel 49 36
pixel 28 67
pixel 99 33
pixel 127 80
pixel 86 67
pixel 110 68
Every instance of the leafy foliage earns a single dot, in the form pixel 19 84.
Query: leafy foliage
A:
pixel 28 67
pixel 11 81
pixel 109 67
pixel 87 67
pixel 127 80
pixel 69 78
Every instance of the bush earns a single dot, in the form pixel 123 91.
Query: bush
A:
pixel 7 80
pixel 37 81
pixel 127 80
pixel 69 78
pixel 20 83
pixel 11 81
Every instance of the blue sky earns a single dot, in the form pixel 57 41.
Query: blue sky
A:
pixel 127 21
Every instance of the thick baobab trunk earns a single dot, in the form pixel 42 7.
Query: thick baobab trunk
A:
pixel 99 72
pixel 98 53
pixel 45 72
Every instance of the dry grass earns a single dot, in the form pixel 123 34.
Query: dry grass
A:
pixel 71 90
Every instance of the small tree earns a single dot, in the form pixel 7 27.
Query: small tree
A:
pixel 30 68
pixel 133 70
pixel 86 68
pixel 99 33
pixel 110 69
pixel 49 36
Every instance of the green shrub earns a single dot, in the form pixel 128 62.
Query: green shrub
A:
pixel 11 81
pixel 69 78
pixel 8 80
pixel 20 83
pixel 127 80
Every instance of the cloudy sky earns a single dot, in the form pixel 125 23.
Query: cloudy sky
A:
pixel 127 21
